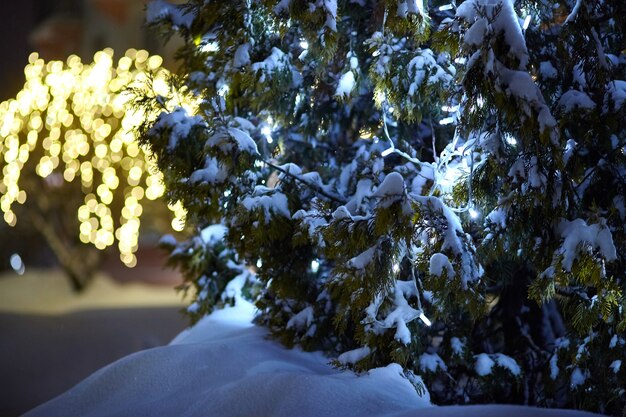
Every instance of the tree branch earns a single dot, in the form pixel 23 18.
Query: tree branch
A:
pixel 314 187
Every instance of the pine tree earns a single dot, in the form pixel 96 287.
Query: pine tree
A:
pixel 439 186
pixel 551 179
pixel 72 168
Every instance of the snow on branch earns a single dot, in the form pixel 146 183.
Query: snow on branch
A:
pixel 161 10
pixel 577 233
pixel 316 187
pixel 268 199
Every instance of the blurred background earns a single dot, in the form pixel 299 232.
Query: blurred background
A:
pixel 53 331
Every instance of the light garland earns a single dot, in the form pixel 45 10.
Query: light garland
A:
pixel 77 120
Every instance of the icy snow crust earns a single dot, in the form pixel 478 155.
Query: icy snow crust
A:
pixel 225 366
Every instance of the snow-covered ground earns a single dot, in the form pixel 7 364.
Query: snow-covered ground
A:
pixel 52 338
pixel 225 366
pixel 47 291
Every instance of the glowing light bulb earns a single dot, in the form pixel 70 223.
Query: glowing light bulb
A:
pixel 386 152
pixel 425 320
pixel 446 121
pixel 510 139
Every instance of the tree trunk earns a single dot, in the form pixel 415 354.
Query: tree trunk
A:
pixel 79 269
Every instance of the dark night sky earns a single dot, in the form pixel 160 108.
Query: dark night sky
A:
pixel 19 18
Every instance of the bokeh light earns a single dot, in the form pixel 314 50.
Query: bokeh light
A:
pixel 73 123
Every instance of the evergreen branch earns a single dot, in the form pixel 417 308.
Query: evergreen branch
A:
pixel 599 50
pixel 572 16
pixel 526 335
pixel 593 170
pixel 314 187
pixel 470 193
pixel 309 144
pixel 572 292
pixel 434 140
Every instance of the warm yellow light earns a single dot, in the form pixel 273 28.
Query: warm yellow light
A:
pixel 142 56
pixel 10 218
pixel 154 62
pixel 83 213
pixel 138 193
pixel 85 228
pixel 101 150
pixel 75 120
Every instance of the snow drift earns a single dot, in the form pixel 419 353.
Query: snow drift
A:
pixel 225 366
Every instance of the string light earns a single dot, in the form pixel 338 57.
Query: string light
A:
pixel 266 131
pixel 446 121
pixel 510 139
pixel 72 122
pixel 387 152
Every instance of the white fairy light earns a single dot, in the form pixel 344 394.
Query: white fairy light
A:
pixel 474 214
pixel 425 320
pixel 267 132
pixel 510 139
pixel 396 268
pixel 304 44
pixel 446 121
pixel 315 266
pixel 386 152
